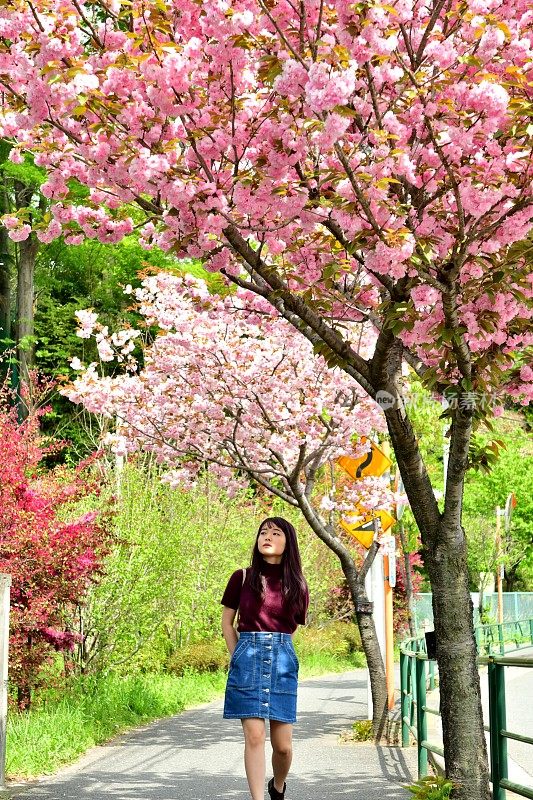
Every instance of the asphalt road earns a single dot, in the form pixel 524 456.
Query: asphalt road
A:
pixel 198 756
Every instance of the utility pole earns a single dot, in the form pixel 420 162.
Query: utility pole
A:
pixel 374 591
pixel 389 582
pixel 505 513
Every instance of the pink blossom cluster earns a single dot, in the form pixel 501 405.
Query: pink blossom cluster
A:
pixel 393 139
pixel 228 383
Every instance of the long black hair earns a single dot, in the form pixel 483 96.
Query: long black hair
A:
pixel 293 583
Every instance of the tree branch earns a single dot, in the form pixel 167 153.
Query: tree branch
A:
pixel 281 35
pixel 386 372
pixel 459 345
pixel 460 434
pixel 431 24
pixel 358 192
pixel 315 329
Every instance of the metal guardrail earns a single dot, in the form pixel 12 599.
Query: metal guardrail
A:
pixel 416 679
pixel 492 638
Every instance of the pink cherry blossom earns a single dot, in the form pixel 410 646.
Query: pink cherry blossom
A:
pixel 359 155
pixel 219 385
pixel 19 234
pixel 86 321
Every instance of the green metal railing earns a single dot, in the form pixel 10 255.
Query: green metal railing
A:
pixel 498 637
pixel 416 679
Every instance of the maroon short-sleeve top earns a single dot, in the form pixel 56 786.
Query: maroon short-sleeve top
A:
pixel 269 613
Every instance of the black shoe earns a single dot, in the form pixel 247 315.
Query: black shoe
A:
pixel 273 792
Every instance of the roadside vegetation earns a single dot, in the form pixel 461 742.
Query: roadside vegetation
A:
pixel 145 640
pixel 117 623
pixel 66 721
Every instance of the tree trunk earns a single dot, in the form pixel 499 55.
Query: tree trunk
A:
pixel 484 612
pixel 5 287
pixel 372 650
pixel 408 580
pixel 25 686
pixel 365 621
pixel 28 250
pixel 444 548
pixel 511 577
pixel 6 259
pixel 25 301
pixel 458 672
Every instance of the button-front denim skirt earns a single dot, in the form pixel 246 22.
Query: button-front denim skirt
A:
pixel 263 677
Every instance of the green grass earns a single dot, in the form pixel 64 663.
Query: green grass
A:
pixel 92 712
pixel 313 664
pixel 59 729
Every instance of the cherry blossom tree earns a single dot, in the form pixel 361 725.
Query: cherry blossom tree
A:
pixel 338 159
pixel 226 384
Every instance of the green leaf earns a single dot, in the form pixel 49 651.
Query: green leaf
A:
pixel 5 149
pixel 345 111
pixel 26 173
pixel 270 68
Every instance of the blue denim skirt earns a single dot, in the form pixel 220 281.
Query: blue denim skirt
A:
pixel 263 677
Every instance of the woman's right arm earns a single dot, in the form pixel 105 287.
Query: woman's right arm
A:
pixel 228 631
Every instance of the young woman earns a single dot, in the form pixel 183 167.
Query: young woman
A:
pixel 271 598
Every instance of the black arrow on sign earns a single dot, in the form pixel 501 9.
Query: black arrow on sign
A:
pixel 365 463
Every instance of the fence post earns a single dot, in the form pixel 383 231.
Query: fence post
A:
pixel 421 719
pixel 531 630
pixel 5 583
pixel 431 675
pixel 404 702
pixel 501 639
pixel 497 723
pixel 412 678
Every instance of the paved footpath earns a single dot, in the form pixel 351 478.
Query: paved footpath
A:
pixel 198 756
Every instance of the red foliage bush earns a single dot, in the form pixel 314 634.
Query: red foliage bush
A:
pixel 52 558
pixel 340 605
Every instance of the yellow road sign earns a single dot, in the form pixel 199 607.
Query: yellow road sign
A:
pixel 375 463
pixel 363 532
pixel 387 520
pixel 363 529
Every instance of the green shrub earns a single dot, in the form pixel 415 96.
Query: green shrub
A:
pixel 207 656
pixel 341 639
pixel 432 787
pixel 362 731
